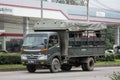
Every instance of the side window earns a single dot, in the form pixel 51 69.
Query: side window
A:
pixel 71 35
pixel 74 38
pixel 53 40
pixel 98 34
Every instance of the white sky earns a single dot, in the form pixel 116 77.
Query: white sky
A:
pixel 106 4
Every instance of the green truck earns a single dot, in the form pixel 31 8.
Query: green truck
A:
pixel 59 45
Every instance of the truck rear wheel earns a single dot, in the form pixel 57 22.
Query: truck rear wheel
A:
pixel 55 65
pixel 89 65
pixel 31 68
pixel 66 67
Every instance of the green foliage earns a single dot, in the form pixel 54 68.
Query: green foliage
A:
pixel 106 57
pixel 117 56
pixel 115 76
pixel 109 45
pixel 110 36
pixel 109 57
pixel 10 59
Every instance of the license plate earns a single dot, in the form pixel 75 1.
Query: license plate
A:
pixel 31 61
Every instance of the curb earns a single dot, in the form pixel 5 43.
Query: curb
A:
pixel 115 65
pixel 24 69
pixel 12 69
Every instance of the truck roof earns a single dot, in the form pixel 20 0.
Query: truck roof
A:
pixel 46 32
pixel 48 24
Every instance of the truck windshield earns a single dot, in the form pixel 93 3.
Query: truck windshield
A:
pixel 37 40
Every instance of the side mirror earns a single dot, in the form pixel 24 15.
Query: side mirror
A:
pixel 45 41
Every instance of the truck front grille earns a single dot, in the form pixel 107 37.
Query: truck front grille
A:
pixel 32 57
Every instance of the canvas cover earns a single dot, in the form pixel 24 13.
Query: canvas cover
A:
pixel 68 25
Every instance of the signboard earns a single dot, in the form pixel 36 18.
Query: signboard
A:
pixel 31 12
pixel 6 10
pixel 100 14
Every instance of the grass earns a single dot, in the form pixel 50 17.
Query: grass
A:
pixel 11 66
pixel 116 62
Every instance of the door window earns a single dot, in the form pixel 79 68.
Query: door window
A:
pixel 53 40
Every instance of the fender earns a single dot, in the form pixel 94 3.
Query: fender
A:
pixel 55 55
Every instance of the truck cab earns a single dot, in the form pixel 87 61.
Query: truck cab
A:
pixel 39 48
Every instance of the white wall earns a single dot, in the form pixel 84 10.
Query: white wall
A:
pixel 13 28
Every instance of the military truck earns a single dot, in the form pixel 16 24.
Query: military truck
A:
pixel 59 45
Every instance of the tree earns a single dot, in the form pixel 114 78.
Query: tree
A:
pixel 110 36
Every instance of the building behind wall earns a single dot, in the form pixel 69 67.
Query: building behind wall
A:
pixel 1 30
pixel 11 38
pixel 11 35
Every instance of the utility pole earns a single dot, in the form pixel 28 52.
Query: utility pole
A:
pixel 41 9
pixel 25 25
pixel 2 27
pixel 87 10
pixel 86 2
pixel 116 47
pixel 118 35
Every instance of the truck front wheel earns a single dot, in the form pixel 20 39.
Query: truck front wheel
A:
pixel 31 68
pixel 89 65
pixel 55 65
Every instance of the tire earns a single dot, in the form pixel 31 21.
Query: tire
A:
pixel 31 68
pixel 89 66
pixel 55 65
pixel 66 67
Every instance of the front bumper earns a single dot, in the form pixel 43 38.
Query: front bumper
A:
pixel 34 62
pixel 33 59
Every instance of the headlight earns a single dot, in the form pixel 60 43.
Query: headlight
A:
pixel 23 57
pixel 42 57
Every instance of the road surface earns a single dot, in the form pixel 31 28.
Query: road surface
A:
pixel 100 73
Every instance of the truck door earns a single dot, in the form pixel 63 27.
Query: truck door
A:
pixel 53 45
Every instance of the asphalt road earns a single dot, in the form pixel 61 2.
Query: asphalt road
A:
pixel 101 73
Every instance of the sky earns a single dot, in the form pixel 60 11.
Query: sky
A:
pixel 113 5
